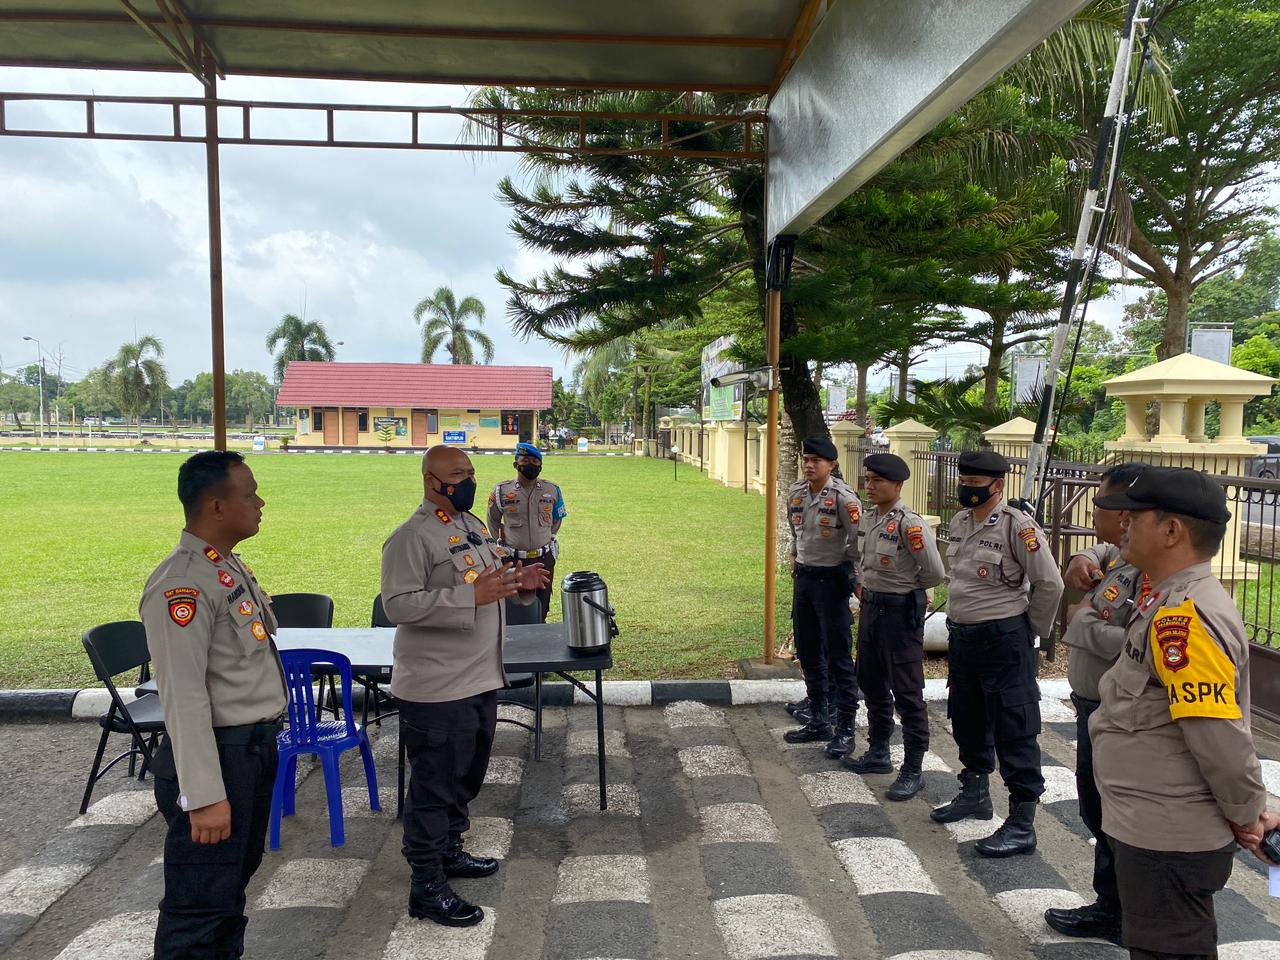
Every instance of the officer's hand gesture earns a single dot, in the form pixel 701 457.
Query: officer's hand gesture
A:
pixel 1082 573
pixel 533 577
pixel 211 824
pixel 495 583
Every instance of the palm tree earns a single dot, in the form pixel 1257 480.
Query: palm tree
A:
pixel 137 376
pixel 301 339
pixel 447 324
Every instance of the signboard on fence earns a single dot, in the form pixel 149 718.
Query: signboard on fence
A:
pixel 1028 378
pixel 1212 344
pixel 455 436
pixel 720 403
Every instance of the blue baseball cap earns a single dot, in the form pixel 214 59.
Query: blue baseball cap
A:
pixel 528 450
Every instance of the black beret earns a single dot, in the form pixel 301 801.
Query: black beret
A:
pixel 1182 490
pixel 983 463
pixel 821 447
pixel 887 465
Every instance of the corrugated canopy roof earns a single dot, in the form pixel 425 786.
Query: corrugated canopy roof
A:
pixel 461 386
pixel 656 44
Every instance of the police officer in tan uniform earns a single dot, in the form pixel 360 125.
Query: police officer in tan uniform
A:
pixel 1004 589
pixel 900 562
pixel 1173 752
pixel 1113 588
pixel 444 580
pixel 209 628
pixel 525 515
pixel 823 512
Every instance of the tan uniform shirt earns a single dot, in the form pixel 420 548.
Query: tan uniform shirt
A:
pixel 899 551
pixel 1000 568
pixel 446 648
pixel 1172 750
pixel 209 628
pixel 1096 633
pixel 526 518
pixel 824 525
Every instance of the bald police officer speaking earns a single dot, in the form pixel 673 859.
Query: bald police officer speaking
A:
pixel 823 512
pixel 525 515
pixel 1094 636
pixel 209 628
pixel 900 561
pixel 1173 752
pixel 1003 591
pixel 443 583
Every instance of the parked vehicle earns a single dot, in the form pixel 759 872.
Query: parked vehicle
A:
pixel 1266 466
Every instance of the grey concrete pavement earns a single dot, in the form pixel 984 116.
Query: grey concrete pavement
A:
pixel 721 841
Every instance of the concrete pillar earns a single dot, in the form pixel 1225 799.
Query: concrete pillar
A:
pixel 905 440
pixel 1135 418
pixel 735 453
pixel 1230 421
pixel 1195 419
pixel 1173 419
pixel 845 434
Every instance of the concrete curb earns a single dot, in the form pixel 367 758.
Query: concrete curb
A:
pixel 91 702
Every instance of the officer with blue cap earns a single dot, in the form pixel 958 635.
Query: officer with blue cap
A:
pixel 525 513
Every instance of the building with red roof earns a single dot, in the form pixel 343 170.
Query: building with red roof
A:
pixel 347 404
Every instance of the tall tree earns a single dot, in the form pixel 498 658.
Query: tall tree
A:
pixel 1196 193
pixel 137 376
pixel 249 393
pixel 298 339
pixel 447 324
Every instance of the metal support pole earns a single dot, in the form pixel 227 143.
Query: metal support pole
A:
pixel 213 181
pixel 781 250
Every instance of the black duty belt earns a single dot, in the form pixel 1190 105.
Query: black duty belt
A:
pixel 840 572
pixel 881 599
pixel 248 733
pixel 987 627
pixel 530 554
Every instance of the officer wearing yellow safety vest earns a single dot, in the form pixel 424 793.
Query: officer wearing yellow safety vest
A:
pixel 1173 752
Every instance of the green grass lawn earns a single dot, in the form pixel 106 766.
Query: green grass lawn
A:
pixel 81 532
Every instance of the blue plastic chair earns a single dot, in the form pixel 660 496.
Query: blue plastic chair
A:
pixel 327 739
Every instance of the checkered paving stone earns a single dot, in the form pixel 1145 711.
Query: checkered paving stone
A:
pixel 720 842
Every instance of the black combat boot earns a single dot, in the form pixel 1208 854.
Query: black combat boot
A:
pixel 796 706
pixel 1016 835
pixel 973 800
pixel 1093 920
pixel 910 780
pixel 459 863
pixel 816 727
pixel 841 744
pixel 430 898
pixel 875 760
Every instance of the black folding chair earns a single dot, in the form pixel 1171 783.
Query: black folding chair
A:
pixel 310 610
pixel 370 681
pixel 114 648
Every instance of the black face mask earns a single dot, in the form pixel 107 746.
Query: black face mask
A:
pixel 529 471
pixel 974 496
pixel 462 494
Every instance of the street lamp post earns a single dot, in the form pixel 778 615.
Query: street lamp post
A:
pixel 675 462
pixel 40 374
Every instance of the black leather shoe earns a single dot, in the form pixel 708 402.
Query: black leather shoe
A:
pixel 811 731
pixel 909 783
pixel 875 760
pixel 797 705
pixel 841 744
pixel 973 800
pixel 459 863
pixel 1093 920
pixel 435 901
pixel 1016 835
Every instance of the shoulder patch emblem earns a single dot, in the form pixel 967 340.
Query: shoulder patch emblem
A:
pixel 226 579
pixel 182 609
pixel 442 516
pixel 1172 634
pixel 259 631
pixel 212 555
pixel 181 592
pixel 854 511
pixel 493 498
pixel 1029 538
pixel 915 538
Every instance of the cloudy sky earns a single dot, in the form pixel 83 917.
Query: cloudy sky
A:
pixel 102 241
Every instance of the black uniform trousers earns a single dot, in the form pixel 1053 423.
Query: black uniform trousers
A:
pixel 202 913
pixel 1104 863
pixel 823 625
pixel 994 703
pixel 548 560
pixel 1166 898
pixel 890 666
pixel 448 746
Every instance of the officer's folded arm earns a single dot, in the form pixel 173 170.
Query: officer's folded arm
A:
pixel 1228 762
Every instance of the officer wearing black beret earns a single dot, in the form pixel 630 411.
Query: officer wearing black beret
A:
pixel 900 562
pixel 1003 591
pixel 823 512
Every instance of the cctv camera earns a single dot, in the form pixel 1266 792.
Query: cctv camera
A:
pixel 759 377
